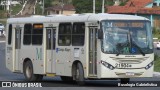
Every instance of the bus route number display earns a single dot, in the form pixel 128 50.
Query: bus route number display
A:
pixel 125 24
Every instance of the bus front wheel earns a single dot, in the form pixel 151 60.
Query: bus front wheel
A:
pixel 79 77
pixel 28 72
pixel 125 80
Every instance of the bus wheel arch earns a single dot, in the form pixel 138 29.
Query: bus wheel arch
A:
pixel 78 72
pixel 24 62
pixel 29 72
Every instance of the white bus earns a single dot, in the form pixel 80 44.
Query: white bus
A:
pixel 80 46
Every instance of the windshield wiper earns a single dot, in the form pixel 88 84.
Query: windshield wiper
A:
pixel 141 51
pixel 132 42
pixel 123 44
pixel 117 54
pixel 120 45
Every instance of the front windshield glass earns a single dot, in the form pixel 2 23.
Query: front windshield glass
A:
pixel 127 37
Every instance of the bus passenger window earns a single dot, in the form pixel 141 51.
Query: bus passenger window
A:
pixel 37 34
pixel 27 34
pixel 78 34
pixel 10 34
pixel 64 35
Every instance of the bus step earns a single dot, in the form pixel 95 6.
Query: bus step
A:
pixel 92 75
pixel 16 71
pixel 51 74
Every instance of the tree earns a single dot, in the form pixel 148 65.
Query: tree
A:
pixel 48 3
pixel 86 6
pixel 109 2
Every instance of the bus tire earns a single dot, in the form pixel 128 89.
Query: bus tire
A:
pixel 125 80
pixel 79 75
pixel 28 72
pixel 39 77
pixel 67 79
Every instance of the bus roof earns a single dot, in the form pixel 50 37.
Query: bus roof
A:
pixel 74 18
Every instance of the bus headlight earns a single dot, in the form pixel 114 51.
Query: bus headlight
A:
pixel 107 65
pixel 149 65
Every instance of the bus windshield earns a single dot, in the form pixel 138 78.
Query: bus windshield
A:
pixel 127 37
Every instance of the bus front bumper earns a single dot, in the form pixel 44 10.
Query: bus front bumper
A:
pixel 125 73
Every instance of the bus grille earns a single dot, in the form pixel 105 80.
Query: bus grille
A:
pixel 130 60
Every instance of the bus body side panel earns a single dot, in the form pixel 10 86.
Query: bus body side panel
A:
pixel 78 54
pixel 63 55
pixel 35 54
pixel 9 53
pixel 71 54
pixel 99 59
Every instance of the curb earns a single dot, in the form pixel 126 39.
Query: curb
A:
pixel 156 74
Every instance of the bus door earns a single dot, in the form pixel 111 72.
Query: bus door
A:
pixel 17 48
pixel 92 51
pixel 50 47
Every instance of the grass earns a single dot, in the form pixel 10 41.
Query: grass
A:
pixel 156 63
pixel 156 33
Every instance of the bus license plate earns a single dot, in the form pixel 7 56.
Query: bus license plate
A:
pixel 123 65
pixel 129 73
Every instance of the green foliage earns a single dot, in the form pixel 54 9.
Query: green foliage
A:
pixel 38 9
pixel 48 3
pixel 123 3
pixel 2 14
pixel 156 32
pixel 156 63
pixel 109 2
pixel 82 6
pixel 86 6
pixel 16 9
pixel 1 8
pixel 3 21
pixel 156 57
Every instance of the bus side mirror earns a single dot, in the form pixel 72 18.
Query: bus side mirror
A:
pixel 100 34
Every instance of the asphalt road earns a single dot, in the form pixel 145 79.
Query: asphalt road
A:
pixel 6 75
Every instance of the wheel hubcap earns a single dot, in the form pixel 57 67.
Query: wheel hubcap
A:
pixel 77 74
pixel 28 72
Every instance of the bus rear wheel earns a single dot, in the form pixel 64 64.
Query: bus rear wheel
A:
pixel 68 79
pixel 79 77
pixel 28 72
